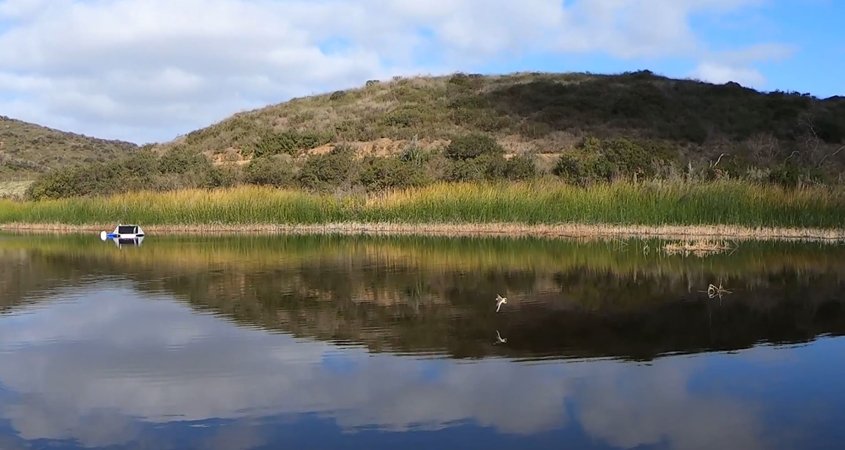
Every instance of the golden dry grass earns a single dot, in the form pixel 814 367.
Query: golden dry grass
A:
pixel 715 210
pixel 14 189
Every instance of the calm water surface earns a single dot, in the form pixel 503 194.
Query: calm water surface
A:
pixel 384 343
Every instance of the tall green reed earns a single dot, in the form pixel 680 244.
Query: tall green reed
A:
pixel 542 202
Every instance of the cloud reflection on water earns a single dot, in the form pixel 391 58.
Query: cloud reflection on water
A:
pixel 97 368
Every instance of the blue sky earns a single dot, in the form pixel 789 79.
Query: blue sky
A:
pixel 150 71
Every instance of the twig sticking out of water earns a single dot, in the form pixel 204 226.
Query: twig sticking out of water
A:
pixel 500 301
pixel 714 291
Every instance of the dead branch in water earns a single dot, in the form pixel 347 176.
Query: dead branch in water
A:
pixel 698 248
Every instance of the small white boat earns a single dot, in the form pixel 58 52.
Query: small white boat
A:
pixel 128 232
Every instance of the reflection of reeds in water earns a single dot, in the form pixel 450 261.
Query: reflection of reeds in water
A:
pixel 423 268
pixel 437 254
pixel 413 294
pixel 697 248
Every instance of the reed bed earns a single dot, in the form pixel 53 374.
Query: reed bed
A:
pixel 723 203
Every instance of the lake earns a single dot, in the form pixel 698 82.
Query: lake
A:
pixel 333 342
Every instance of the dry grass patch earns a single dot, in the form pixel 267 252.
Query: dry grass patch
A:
pixel 13 189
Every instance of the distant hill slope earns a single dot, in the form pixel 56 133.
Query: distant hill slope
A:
pixel 27 149
pixel 541 113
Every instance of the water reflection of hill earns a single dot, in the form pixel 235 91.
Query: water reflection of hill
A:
pixel 435 295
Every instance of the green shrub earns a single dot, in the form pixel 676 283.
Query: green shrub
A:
pixel 600 168
pixel 792 175
pixel 179 160
pixel 474 111
pixel 495 166
pixel 139 170
pixel 520 168
pixel 355 130
pixel 413 154
pixel 624 157
pixel 569 169
pixel 786 175
pixel 403 117
pixel 290 142
pixel 829 130
pixel 691 129
pixel 605 160
pixel 327 171
pixel 143 164
pixel 590 144
pixel 472 146
pixel 465 170
pixel 378 173
pixel 270 171
pixel 459 79
pixel 485 167
pixel 730 166
pixel 177 169
pixel 56 184
pixel 223 177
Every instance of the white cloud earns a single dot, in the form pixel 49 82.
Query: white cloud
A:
pixel 737 65
pixel 629 29
pixel 624 427
pixel 149 70
pixel 723 73
pixel 17 9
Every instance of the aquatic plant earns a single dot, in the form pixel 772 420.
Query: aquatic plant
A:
pixel 544 202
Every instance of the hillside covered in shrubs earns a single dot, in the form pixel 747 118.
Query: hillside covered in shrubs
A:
pixel 580 128
pixel 27 149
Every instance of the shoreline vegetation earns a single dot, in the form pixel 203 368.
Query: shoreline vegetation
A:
pixel 526 154
pixel 721 209
pixel 692 238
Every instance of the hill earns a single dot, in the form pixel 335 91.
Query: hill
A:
pixel 540 113
pixel 409 132
pixel 27 149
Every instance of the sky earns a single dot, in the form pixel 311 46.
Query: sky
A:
pixel 150 70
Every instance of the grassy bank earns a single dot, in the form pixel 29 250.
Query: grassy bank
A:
pixel 540 203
